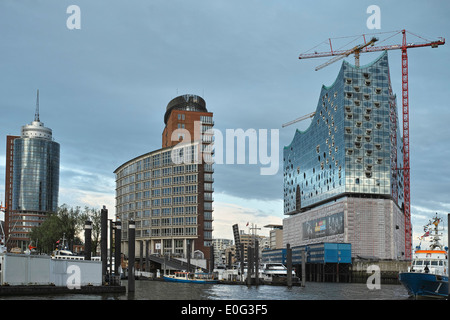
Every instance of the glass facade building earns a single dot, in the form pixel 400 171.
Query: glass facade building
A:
pixel 33 185
pixel 353 146
pixel 36 175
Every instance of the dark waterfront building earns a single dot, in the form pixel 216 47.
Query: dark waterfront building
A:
pixel 341 182
pixel 32 180
pixel 168 191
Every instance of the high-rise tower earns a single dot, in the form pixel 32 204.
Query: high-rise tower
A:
pixel 168 192
pixel 32 180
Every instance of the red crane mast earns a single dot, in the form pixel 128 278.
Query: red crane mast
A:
pixel 404 46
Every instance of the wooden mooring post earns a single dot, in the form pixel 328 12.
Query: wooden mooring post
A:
pixel 131 255
pixel 289 265
pixel 303 268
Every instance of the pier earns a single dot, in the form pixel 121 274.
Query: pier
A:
pixel 332 262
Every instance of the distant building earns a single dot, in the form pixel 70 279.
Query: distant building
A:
pixel 230 253
pixel 220 247
pixel 168 191
pixel 32 180
pixel 275 236
pixel 341 181
pixel 248 240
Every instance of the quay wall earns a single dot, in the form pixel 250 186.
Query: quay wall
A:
pixel 389 270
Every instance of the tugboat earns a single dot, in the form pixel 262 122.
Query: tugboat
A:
pixel 427 276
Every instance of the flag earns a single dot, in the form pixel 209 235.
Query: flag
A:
pixel 246 224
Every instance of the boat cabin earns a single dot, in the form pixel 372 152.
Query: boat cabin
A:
pixel 430 261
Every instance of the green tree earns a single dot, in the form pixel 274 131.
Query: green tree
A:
pixel 93 215
pixel 67 223
pixel 46 235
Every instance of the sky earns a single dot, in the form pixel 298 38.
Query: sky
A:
pixel 104 87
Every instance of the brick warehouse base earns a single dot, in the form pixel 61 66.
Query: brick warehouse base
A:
pixel 374 227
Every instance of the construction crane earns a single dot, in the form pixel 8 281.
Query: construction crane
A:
pixel 356 51
pixel 404 46
pixel 310 115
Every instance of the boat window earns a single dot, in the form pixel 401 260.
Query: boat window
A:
pixel 419 262
pixel 434 263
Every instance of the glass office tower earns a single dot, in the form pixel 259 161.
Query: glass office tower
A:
pixel 35 181
pixel 36 175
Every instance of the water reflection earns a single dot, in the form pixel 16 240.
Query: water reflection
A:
pixel 156 290
pixel 159 290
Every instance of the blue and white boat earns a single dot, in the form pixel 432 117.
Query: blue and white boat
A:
pixel 427 276
pixel 190 277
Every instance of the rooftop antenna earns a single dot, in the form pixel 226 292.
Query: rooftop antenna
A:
pixel 36 114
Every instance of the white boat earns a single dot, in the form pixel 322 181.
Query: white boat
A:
pixel 270 273
pixel 223 273
pixel 428 274
pixel 65 255
pixel 275 273
pixel 62 252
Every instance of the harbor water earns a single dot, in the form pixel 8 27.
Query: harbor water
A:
pixel 160 290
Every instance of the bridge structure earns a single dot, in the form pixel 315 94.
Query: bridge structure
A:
pixel 165 264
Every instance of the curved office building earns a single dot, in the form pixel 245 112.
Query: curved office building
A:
pixel 340 175
pixel 36 175
pixel 168 192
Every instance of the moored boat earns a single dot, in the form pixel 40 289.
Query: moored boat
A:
pixel 276 273
pixel 428 274
pixel 190 277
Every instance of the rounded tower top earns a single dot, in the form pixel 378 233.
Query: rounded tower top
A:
pixel 36 128
pixel 188 102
